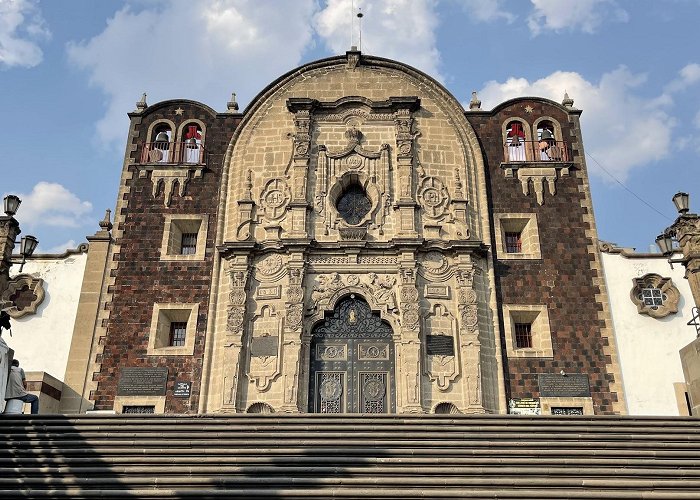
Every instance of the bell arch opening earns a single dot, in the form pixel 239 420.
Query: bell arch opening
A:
pixel 352 361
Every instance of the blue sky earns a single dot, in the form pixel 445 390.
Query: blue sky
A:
pixel 70 70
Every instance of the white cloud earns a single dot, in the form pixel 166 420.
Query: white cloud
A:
pixel 21 28
pixel 687 76
pixel 51 204
pixel 397 29
pixel 586 15
pixel 621 129
pixel 58 249
pixel 180 50
pixel 487 10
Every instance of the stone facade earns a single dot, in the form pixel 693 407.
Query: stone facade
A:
pixel 353 189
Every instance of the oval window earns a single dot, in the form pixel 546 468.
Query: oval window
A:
pixel 353 205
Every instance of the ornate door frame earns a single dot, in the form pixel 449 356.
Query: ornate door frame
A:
pixel 352 360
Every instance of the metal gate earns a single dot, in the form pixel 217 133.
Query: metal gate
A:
pixel 352 362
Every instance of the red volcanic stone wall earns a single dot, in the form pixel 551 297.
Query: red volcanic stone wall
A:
pixel 562 279
pixel 141 279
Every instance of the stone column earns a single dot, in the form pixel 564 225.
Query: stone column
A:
pixel 238 270
pixel 293 328
pixel 408 345
pixel 469 345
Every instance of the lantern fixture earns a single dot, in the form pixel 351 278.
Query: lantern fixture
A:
pixel 682 202
pixel 11 204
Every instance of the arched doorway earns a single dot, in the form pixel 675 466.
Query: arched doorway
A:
pixel 352 361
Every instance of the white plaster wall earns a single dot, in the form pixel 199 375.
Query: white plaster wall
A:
pixel 648 347
pixel 41 341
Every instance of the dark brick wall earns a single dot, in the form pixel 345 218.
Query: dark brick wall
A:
pixel 141 279
pixel 562 280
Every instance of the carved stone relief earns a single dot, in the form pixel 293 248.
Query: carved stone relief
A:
pixel 381 288
pixel 433 198
pixel 24 293
pixel 442 365
pixel 274 199
pixel 265 348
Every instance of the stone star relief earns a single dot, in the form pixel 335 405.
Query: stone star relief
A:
pixel 179 111
pixel 528 109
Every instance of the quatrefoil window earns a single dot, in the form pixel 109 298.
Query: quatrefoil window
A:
pixel 353 205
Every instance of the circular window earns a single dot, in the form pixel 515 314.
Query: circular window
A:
pixel 353 205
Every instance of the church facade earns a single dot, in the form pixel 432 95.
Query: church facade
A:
pixel 354 242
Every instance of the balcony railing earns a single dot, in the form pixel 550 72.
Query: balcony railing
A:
pixel 537 151
pixel 173 153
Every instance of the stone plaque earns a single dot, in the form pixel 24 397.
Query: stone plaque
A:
pixel 439 345
pixel 564 386
pixel 269 292
pixel 437 291
pixel 264 346
pixel 142 382
pixel 183 389
pixel 524 406
pixel 567 410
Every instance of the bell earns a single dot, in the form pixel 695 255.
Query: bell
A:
pixel 162 137
pixel 547 135
pixel 192 143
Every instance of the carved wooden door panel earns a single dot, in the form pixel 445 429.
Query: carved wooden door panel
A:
pixel 352 362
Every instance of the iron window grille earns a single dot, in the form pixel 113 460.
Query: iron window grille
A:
pixel 652 297
pixel 514 242
pixel 523 335
pixel 188 244
pixel 178 332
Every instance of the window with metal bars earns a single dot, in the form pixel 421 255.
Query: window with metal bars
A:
pixel 652 297
pixel 188 244
pixel 178 331
pixel 523 335
pixel 514 242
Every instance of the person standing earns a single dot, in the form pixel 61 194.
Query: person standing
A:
pixel 17 387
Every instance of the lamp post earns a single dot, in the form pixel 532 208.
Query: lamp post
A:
pixel 686 231
pixel 9 230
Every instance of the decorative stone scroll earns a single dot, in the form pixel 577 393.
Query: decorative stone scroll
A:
pixel 246 206
pixel 538 177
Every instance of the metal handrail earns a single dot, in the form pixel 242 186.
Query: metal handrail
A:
pixel 536 151
pixel 173 152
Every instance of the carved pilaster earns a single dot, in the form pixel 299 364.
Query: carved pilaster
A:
pixel 409 343
pixel 470 346
pixel 687 230
pixel 292 343
pixel 238 270
pixel 301 158
pixel 405 181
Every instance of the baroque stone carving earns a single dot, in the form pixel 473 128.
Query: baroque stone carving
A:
pixel 274 199
pixel 441 368
pixel 433 197
pixel 265 348
pixel 295 315
pixel 25 294
pixel 383 292
pixel 270 265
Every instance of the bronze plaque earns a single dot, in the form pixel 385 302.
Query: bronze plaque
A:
pixel 439 345
pixel 574 385
pixel 142 382
pixel 264 346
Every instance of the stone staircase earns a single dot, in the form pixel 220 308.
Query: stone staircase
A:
pixel 349 456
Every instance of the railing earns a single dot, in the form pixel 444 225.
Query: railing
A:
pixel 173 152
pixel 536 151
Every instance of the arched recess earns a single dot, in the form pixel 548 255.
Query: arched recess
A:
pixel 516 135
pixel 351 361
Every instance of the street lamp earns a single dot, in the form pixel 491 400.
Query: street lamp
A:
pixel 9 230
pixel 686 231
pixel 11 203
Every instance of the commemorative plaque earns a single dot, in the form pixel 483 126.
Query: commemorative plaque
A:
pixel 574 385
pixel 440 345
pixel 142 382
